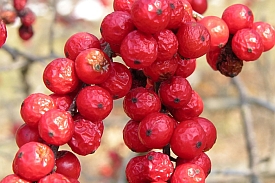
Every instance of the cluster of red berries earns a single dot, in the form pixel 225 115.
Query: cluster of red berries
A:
pixel 241 39
pixel 8 15
pixel 158 42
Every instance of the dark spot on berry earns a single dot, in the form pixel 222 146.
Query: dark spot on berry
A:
pixel 100 29
pixel 197 171
pixel 249 50
pixel 47 82
pixel 148 133
pixel 134 100
pixel 66 54
pixel 250 13
pixel 198 145
pixel 202 38
pixel 100 106
pixel 115 97
pixel 172 6
pixel 150 157
pixel 51 134
pixel 159 11
pixel 209 171
pixel 20 155
pixel 176 100
pixel 97 67
pixel 137 62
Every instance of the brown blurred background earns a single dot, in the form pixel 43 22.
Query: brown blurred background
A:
pixel 57 20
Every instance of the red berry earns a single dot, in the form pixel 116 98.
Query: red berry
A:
pixel 156 129
pixel 238 16
pixel 188 139
pixel 188 173
pixel 54 177
pixel 86 138
pixel 94 103
pixel 119 81
pixel 123 5
pixel 25 133
pixel 134 170
pixel 218 30
pixel 150 16
pixel 212 58
pixel 247 45
pixel 13 178
pixel 60 76
pixel 175 92
pixel 185 67
pixel 267 33
pixel 131 139
pixel 3 33
pixel 115 26
pixel 8 16
pixel 34 106
pixel 25 32
pixel 27 17
pixel 177 14
pixel 61 101
pixel 199 6
pixel 79 42
pixel 140 102
pixel 56 127
pixel 194 40
pixel 19 4
pixel 67 164
pixel 33 161
pixel 138 50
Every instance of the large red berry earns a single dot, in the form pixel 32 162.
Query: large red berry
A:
pixel 188 139
pixel 119 81
pixel 67 164
pixel 177 14
pixel 194 40
pixel 79 42
pixel 60 76
pixel 34 106
pixel 247 45
pixel 92 66
pixel 94 103
pixel 175 92
pixel 54 177
pixel 212 58
pixel 13 178
pixel 267 33
pixel 140 102
pixel 25 133
pixel 3 33
pixel 56 127
pixel 33 161
pixel 151 16
pixel 185 67
pixel 156 129
pixel 199 6
pixel 134 170
pixel 138 50
pixel 131 139
pixel 238 16
pixel 188 173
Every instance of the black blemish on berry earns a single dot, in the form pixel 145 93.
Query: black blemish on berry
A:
pixel 137 62
pixel 172 6
pixel 198 145
pixel 134 100
pixel 150 157
pixel 148 133
pixel 250 13
pixel 159 11
pixel 100 105
pixel 202 38
pixel 249 50
pixel 51 134
pixel 20 155
pixel 66 54
pixel 100 29
pixel 47 82
pixel 176 100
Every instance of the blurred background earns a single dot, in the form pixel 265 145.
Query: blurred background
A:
pixel 245 127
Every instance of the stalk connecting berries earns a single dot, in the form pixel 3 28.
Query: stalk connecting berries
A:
pixel 158 42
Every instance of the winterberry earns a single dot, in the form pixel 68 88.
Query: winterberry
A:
pixel 25 32
pixel 185 67
pixel 25 133
pixel 199 6
pixel 13 178
pixel 54 177
pixel 19 4
pixel 188 173
pixel 3 33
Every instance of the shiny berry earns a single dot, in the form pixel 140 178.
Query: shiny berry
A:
pixel 185 67
pixel 134 170
pixel 177 14
pixel 156 129
pixel 54 177
pixel 212 58
pixel 62 101
pixel 33 161
pixel 123 5
pixel 140 102
pixel 60 76
pixel 150 16
pixel 94 103
pixel 188 139
pixel 199 6
pixel 13 178
pixel 194 40
pixel 238 16
pixel 3 33
pixel 247 45
pixel 78 42
pixel 138 50
pixel 25 133
pixel 92 66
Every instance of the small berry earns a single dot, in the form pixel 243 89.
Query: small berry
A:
pixel 26 32
pixel 188 173
pixel 13 178
pixel 3 33
pixel 185 67
pixel 54 177
pixel 199 6
pixel 25 133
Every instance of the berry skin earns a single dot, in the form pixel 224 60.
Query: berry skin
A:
pixel 33 161
pixel 25 134
pixel 34 106
pixel 56 127
pixel 267 33
pixel 54 177
pixel 237 17
pixel 218 30
pixel 134 170
pixel 27 17
pixel 67 164
pixel 177 14
pixel 155 130
pixel 92 66
pixel 138 50
pixel 247 45
pixel 175 92
pixel 62 102
pixel 131 139
pixel 150 16
pixel 123 5
pixel 13 178
pixel 185 67
pixel 3 33
pixel 25 32
pixel 60 76
pixel 8 16
pixel 194 40
pixel 188 173
pixel 119 81
pixel 188 139
pixel 212 58
pixel 115 26
pixel 199 6
pixel 79 42
pixel 19 4
pixel 94 103
pixel 86 138
pixel 140 102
